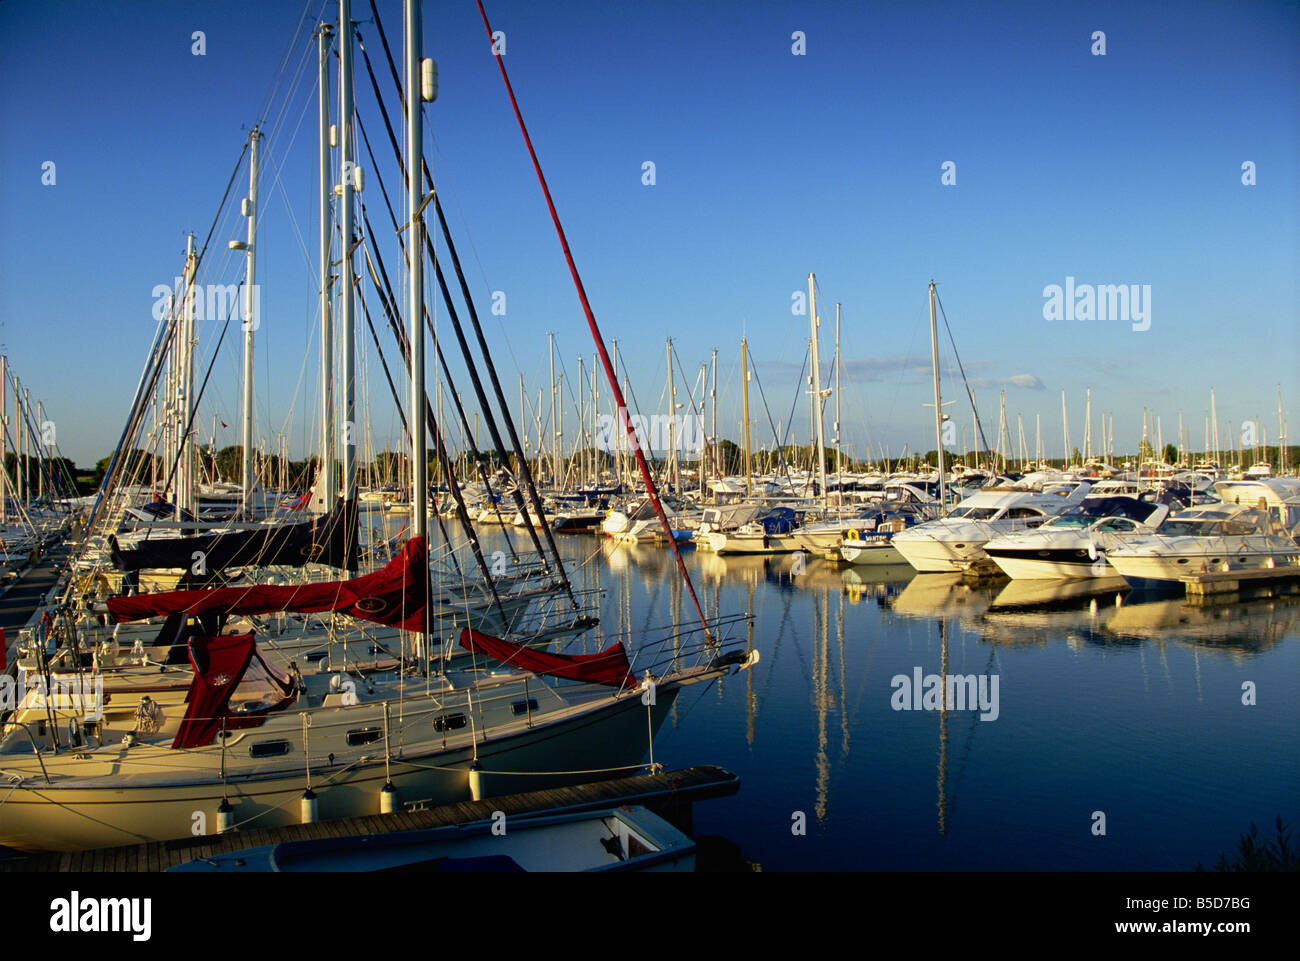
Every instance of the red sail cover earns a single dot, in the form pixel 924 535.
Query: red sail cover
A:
pixel 610 666
pixel 396 595
pixel 222 669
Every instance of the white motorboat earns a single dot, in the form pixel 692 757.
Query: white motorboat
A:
pixel 1074 543
pixel 1211 538
pixel 955 542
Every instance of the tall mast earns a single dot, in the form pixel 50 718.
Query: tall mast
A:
pixel 41 455
pixel 27 444
pixel 704 386
pixel 20 466
pixel 713 429
pixel 582 425
pixel 415 265
pixel 1003 440
pixel 1214 428
pixel 938 403
pixel 744 386
pixel 839 454
pixel 251 320
pixel 555 437
pixel 1065 434
pixel 1087 428
pixel 185 480
pixel 327 484
pixel 622 436
pixel 347 320
pixel 1281 435
pixel 817 389
pixel 673 475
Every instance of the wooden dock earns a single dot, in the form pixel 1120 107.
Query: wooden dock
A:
pixel 20 597
pixel 1219 587
pixel 669 794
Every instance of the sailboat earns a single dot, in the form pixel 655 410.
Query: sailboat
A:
pixel 255 744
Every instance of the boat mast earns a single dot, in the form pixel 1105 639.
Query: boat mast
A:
pixel 713 430
pixel 622 435
pixel 704 447
pixel 555 439
pixel 1004 440
pixel 938 404
pixel 579 454
pixel 251 321
pixel 185 480
pixel 1065 434
pixel 744 386
pixel 1087 428
pixel 674 477
pixel 327 485
pixel 347 318
pixel 415 73
pixel 817 390
pixel 42 456
pixel 839 453
pixel 1281 436
pixel 1214 427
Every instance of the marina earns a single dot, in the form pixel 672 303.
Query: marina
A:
pixel 455 506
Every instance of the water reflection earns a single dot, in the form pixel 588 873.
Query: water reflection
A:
pixel 947 790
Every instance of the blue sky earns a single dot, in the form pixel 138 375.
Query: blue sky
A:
pixel 1117 169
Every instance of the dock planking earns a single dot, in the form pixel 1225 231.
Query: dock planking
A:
pixel 20 599
pixel 1220 586
pixel 667 792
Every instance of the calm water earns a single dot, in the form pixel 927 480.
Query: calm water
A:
pixel 1108 703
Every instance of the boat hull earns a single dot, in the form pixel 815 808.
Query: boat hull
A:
pixel 53 817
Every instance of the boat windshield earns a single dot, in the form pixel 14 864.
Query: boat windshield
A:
pixel 975 513
pixel 1069 522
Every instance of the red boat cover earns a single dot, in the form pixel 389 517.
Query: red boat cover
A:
pixel 610 666
pixel 396 595
pixel 222 666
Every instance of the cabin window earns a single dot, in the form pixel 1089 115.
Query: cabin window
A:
pixel 314 656
pixel 449 722
pixel 377 649
pixel 268 748
pixel 524 707
pixel 364 735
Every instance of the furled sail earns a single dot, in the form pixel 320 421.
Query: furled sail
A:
pixel 396 595
pixel 325 539
pixel 610 666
